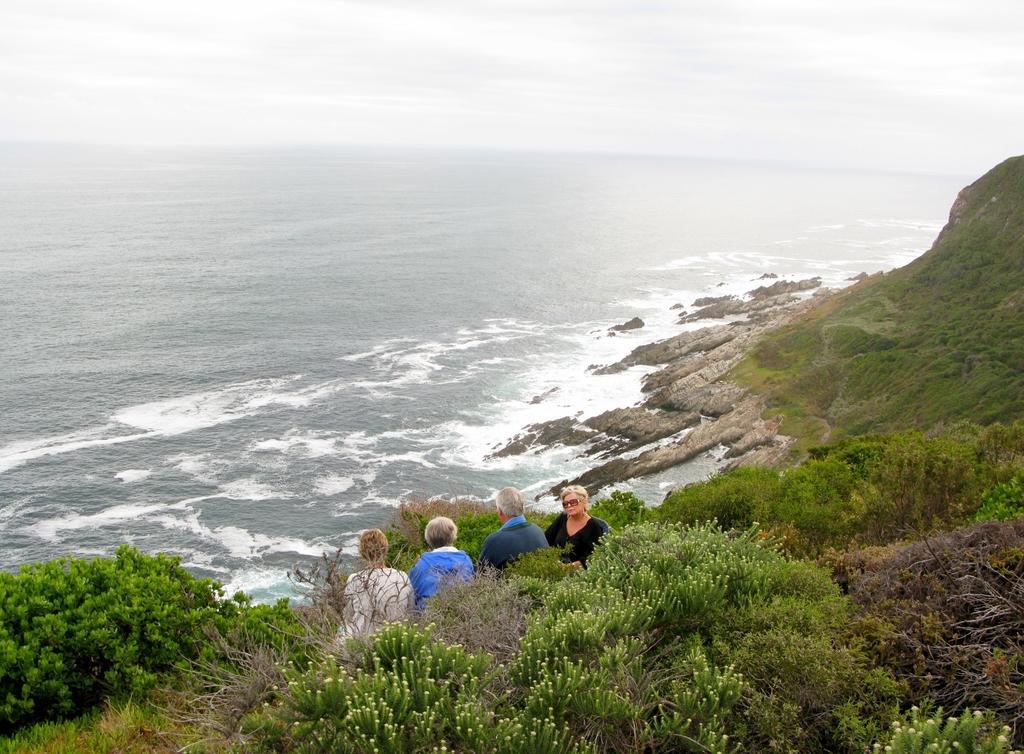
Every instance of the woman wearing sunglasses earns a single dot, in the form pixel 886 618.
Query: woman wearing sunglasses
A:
pixel 575 530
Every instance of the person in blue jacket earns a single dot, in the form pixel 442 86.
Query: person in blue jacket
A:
pixel 516 537
pixel 443 565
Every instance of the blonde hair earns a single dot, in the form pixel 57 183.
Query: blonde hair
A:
pixel 440 532
pixel 373 546
pixel 581 493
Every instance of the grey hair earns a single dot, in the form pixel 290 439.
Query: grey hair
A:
pixel 440 532
pixel 510 502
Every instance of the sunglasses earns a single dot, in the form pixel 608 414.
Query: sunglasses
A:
pixel 573 501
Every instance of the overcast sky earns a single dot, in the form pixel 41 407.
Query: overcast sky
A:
pixel 925 85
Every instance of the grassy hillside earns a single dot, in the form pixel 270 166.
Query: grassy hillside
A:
pixel 938 340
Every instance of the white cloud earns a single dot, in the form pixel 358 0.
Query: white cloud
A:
pixel 916 84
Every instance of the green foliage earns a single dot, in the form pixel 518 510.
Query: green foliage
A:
pixel 872 489
pixel 405 693
pixel 535 572
pixel 124 728
pixel 969 733
pixel 730 499
pixel 77 631
pixel 674 639
pixel 74 631
pixel 939 340
pixel 1003 502
pixel 620 509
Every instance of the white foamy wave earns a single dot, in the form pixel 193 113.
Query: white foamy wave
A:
pixel 250 489
pixel 262 584
pixel 51 528
pixel 17 453
pixel 311 445
pixel 333 484
pixel 200 467
pixel 722 261
pixel 380 348
pixel 187 413
pixel 239 542
pixel 244 544
pixel 921 225
pixel 133 475
pixel 170 417
pixel 420 362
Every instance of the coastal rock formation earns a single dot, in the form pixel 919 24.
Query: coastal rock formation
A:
pixel 728 429
pixel 784 286
pixel 546 394
pixel 564 431
pixel 773 453
pixel 664 351
pixel 630 428
pixel 713 300
pixel 688 407
pixel 633 324
pixel 776 295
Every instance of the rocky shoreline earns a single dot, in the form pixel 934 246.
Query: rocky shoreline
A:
pixel 689 407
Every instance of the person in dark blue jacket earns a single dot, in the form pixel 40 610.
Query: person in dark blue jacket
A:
pixel 443 565
pixel 516 537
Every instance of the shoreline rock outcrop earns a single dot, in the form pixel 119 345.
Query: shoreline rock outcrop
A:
pixel 689 408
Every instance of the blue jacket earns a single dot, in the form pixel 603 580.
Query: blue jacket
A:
pixel 436 569
pixel 516 537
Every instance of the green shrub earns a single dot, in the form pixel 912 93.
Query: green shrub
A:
pixel 819 500
pixel 535 572
pixel 969 733
pixel 620 509
pixel 403 693
pixel 122 728
pixel 872 490
pixel 731 499
pixel 75 631
pixel 1003 502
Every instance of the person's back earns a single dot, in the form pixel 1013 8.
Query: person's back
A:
pixel 376 596
pixel 516 537
pixel 443 565
pixel 437 569
pixel 502 547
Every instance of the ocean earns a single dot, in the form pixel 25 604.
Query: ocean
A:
pixel 244 357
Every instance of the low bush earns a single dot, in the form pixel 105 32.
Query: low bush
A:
pixel 949 615
pixel 673 639
pixel 871 490
pixel 1003 502
pixel 920 732
pixel 124 728
pixel 487 614
pixel 401 692
pixel 75 631
pixel 620 509
pixel 730 499
pixel 535 572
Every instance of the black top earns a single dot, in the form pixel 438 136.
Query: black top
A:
pixel 505 545
pixel 581 544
